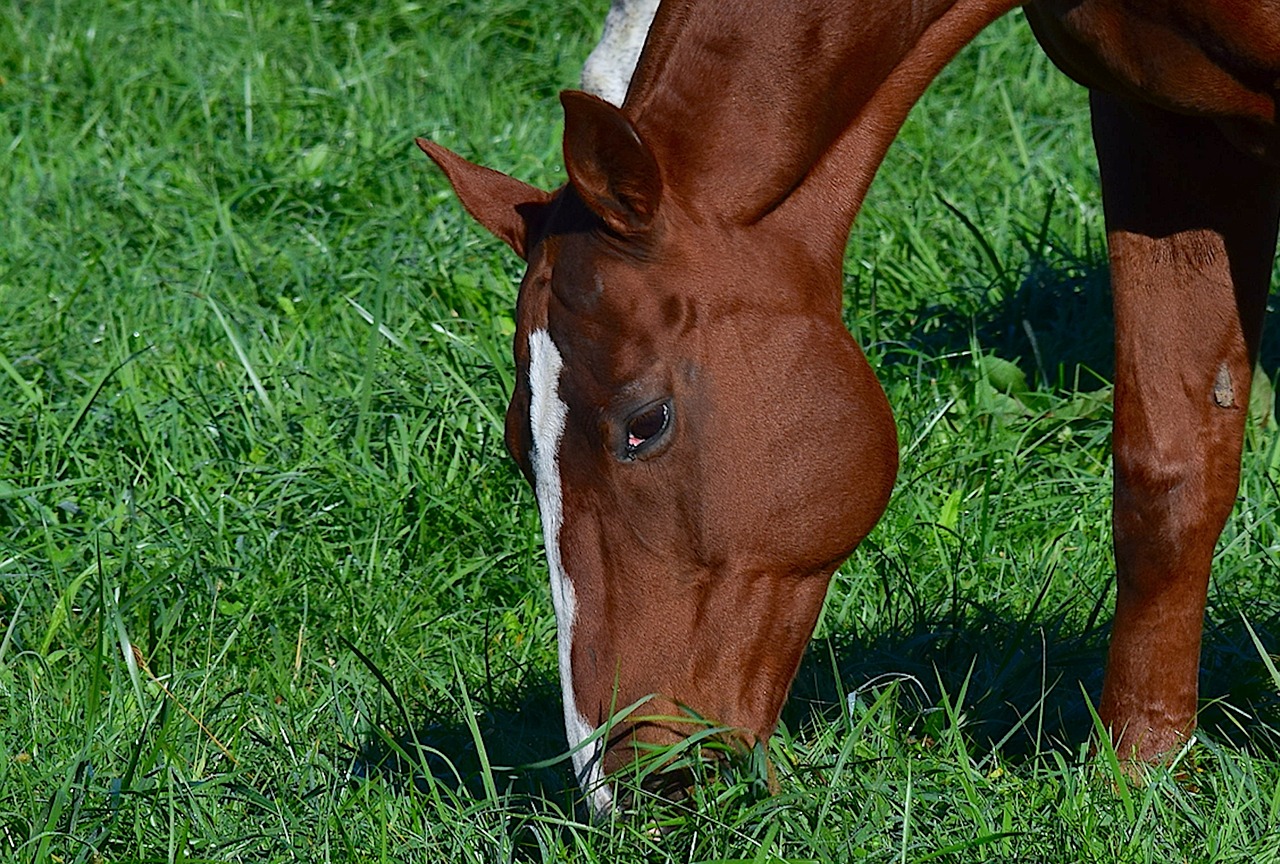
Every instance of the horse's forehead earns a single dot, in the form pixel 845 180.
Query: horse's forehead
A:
pixel 583 266
pixel 583 295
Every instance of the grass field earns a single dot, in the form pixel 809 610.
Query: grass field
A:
pixel 258 533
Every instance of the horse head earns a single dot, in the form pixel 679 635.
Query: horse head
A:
pixel 705 440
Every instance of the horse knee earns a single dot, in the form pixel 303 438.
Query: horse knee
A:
pixel 1171 501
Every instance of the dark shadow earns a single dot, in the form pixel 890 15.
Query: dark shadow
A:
pixel 1051 315
pixel 1018 684
pixel 1024 683
pixel 1021 682
pixel 518 731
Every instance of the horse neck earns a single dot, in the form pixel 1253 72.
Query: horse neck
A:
pixel 758 109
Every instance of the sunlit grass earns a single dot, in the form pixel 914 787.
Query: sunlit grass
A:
pixel 271 590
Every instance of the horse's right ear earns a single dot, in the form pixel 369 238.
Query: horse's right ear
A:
pixel 502 204
pixel 609 164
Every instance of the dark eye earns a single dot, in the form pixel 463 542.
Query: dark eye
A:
pixel 647 426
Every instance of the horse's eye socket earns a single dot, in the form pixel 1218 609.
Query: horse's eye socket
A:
pixel 647 425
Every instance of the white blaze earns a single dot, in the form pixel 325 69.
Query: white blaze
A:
pixel 547 413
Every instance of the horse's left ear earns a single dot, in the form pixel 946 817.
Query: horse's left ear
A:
pixel 506 206
pixel 609 164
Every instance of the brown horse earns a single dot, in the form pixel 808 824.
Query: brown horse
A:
pixel 705 440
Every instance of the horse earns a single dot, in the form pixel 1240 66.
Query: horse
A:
pixel 608 69
pixel 706 442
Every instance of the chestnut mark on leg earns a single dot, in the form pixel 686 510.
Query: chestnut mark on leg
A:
pixel 1224 391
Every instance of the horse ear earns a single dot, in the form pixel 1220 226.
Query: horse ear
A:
pixel 502 204
pixel 609 164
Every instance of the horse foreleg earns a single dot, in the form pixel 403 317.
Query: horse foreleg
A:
pixel 1191 231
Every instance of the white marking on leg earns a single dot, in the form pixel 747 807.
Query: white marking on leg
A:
pixel 547 414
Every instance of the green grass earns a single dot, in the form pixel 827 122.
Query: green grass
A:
pixel 258 534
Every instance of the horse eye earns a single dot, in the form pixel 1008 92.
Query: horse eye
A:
pixel 647 425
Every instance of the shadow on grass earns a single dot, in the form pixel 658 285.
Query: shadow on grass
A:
pixel 1025 683
pixel 1022 685
pixel 520 732
pixel 1053 318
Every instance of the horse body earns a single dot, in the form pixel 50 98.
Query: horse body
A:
pixel 706 441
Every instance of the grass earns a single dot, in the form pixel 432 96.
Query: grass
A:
pixel 270 589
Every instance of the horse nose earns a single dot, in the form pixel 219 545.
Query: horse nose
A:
pixel 666 752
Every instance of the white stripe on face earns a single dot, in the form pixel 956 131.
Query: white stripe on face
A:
pixel 547 414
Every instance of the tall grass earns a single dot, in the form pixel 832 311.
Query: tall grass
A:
pixel 270 589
